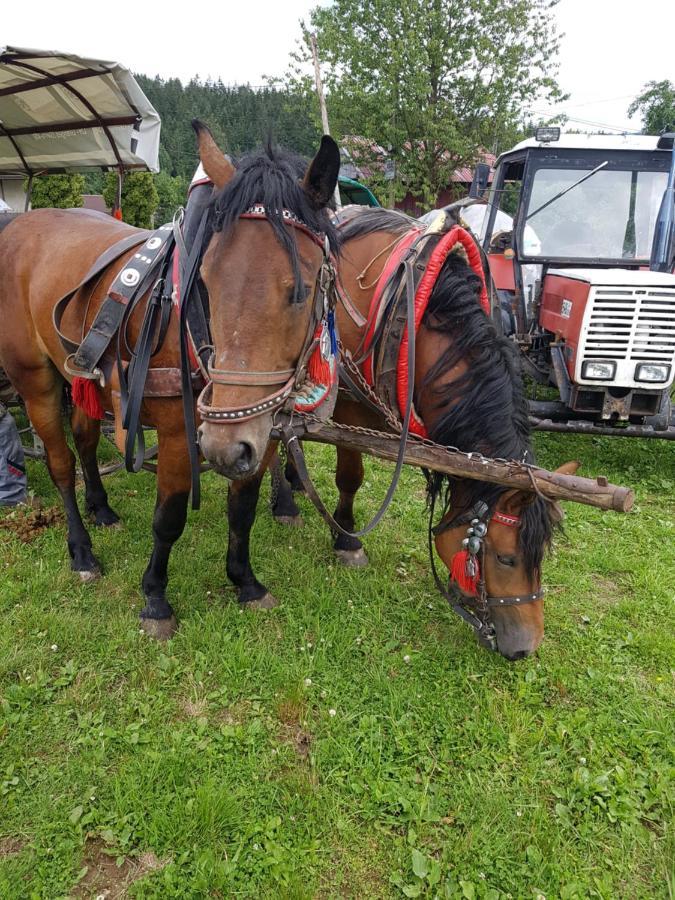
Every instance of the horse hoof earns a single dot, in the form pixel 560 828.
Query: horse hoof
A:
pixel 292 521
pixel 89 575
pixel 114 525
pixel 160 629
pixel 353 559
pixel 267 601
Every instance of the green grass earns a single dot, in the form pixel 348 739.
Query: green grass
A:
pixel 456 774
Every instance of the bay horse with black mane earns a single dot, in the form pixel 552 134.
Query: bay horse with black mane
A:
pixel 468 393
pixel 263 246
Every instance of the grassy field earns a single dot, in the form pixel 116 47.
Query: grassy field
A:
pixel 354 742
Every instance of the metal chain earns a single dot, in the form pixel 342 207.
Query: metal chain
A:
pixel 389 416
pixel 393 421
pixel 512 464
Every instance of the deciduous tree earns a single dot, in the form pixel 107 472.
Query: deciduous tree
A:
pixel 432 81
pixel 139 197
pixel 656 105
pixel 60 191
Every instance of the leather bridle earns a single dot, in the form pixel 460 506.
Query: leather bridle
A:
pixel 290 380
pixel 476 609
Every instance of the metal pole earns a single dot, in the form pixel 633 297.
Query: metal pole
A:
pixel 117 209
pixel 322 104
pixel 29 192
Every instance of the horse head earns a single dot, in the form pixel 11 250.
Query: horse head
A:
pixel 494 556
pixel 262 268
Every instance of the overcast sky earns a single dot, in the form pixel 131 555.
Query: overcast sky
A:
pixel 610 48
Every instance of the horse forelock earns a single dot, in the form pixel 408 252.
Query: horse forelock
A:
pixel 273 177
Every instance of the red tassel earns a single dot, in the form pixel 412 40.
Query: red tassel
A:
pixel 318 368
pixel 461 575
pixel 86 396
pixel 117 214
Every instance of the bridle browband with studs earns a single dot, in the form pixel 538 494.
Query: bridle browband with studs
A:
pixel 476 609
pixel 291 380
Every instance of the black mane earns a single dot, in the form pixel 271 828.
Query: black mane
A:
pixel 273 177
pixel 484 410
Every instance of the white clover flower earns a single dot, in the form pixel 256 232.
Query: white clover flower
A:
pixel 406 658
pixel 308 682
pixel 55 647
pixel 332 712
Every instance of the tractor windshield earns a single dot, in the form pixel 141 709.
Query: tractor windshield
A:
pixel 609 216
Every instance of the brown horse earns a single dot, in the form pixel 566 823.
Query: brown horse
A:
pixel 468 392
pixel 260 274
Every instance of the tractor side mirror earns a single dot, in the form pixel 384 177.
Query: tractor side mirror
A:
pixel 481 178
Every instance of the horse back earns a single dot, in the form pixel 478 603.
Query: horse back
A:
pixel 44 255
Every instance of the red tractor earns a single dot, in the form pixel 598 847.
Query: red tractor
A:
pixel 579 235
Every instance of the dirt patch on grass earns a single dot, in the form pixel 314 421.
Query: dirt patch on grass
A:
pixel 297 738
pixel 10 846
pixel 26 523
pixel 105 880
pixel 194 707
pixel 235 714
pixel 291 711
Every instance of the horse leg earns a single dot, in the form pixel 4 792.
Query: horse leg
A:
pixel 292 477
pixel 284 507
pixel 173 489
pixel 86 433
pixel 42 392
pixel 242 499
pixel 348 478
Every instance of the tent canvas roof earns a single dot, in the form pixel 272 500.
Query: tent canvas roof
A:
pixel 60 112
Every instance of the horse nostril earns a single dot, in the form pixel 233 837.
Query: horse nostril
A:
pixel 519 654
pixel 245 458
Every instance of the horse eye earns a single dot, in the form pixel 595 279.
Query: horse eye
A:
pixel 299 297
pixel 506 560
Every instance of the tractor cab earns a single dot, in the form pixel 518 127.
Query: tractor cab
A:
pixel 578 232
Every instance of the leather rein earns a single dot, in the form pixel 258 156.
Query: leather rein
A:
pixel 290 380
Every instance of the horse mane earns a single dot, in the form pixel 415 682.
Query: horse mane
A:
pixel 273 177
pixel 485 409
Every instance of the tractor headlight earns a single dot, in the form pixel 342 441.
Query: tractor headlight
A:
pixel 654 372
pixel 598 369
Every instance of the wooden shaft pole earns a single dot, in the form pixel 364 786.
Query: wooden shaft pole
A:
pixel 593 492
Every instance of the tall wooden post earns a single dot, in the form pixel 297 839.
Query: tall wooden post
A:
pixel 322 104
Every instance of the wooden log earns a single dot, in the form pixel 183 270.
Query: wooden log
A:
pixel 593 492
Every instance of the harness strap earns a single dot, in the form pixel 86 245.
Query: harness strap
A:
pixel 189 266
pixel 132 381
pixel 88 353
pixel 229 376
pixel 295 452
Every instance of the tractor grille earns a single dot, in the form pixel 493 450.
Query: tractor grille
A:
pixel 630 326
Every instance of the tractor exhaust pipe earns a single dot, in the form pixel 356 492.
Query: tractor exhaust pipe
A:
pixel 663 248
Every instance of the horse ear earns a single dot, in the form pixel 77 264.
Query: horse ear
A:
pixel 569 468
pixel 513 502
pixel 322 174
pixel 216 165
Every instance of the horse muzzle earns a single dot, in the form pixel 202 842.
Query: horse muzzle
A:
pixel 233 451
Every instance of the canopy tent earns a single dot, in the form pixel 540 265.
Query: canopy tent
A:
pixel 61 113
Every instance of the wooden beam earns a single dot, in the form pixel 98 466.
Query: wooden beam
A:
pixel 592 492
